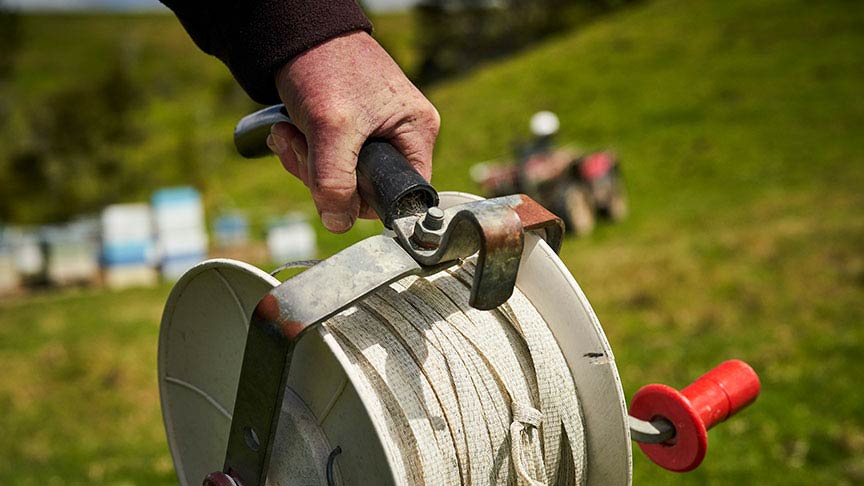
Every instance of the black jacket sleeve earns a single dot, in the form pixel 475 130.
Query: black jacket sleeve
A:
pixel 254 38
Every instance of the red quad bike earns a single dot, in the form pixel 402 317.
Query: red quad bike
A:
pixel 579 188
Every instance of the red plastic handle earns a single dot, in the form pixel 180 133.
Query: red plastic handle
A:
pixel 711 399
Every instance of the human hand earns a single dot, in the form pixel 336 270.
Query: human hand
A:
pixel 339 94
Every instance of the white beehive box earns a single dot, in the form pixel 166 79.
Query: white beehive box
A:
pixel 291 238
pixel 29 261
pixel 128 246
pixel 72 252
pixel 9 278
pixel 180 229
pixel 231 230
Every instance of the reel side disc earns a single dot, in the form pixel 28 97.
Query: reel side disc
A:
pixel 201 345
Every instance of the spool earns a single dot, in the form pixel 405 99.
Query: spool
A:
pixel 201 347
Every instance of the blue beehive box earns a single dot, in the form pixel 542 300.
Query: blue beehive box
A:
pixel 231 230
pixel 128 248
pixel 178 216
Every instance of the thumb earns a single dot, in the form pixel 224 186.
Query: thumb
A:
pixel 332 177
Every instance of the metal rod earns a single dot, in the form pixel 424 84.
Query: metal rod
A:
pixel 654 432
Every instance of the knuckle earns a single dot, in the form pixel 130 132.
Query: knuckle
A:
pixel 433 118
pixel 427 119
pixel 331 116
pixel 334 189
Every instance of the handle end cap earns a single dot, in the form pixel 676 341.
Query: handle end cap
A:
pixel 686 450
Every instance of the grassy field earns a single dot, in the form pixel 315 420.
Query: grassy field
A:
pixel 740 127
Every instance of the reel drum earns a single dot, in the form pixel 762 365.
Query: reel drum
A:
pixel 201 348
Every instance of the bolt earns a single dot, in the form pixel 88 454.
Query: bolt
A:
pixel 429 229
pixel 251 437
pixel 434 218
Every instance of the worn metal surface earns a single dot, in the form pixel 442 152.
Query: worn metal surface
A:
pixel 278 321
pixel 493 228
pixel 489 228
pixel 538 219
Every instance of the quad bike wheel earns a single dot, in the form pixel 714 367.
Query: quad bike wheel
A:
pixel 577 210
pixel 617 207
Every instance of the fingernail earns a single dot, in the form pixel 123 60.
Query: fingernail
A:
pixel 337 222
pixel 276 143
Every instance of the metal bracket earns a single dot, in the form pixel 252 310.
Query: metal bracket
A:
pixel 494 228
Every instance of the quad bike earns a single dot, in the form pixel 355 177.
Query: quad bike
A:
pixel 579 188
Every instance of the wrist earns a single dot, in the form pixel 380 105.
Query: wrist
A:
pixel 327 55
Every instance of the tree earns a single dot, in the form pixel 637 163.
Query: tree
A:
pixel 10 39
pixel 74 161
pixel 10 42
pixel 456 35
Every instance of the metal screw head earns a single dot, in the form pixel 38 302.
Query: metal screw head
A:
pixel 251 437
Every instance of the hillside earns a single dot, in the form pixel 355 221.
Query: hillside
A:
pixel 739 126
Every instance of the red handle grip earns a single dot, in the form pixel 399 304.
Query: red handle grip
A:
pixel 711 399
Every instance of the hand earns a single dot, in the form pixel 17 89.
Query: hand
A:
pixel 339 94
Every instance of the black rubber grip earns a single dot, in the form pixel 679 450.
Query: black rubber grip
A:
pixel 385 179
pixel 388 183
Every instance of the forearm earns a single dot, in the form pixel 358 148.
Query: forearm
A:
pixel 255 38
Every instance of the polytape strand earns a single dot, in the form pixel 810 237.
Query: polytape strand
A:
pixel 468 397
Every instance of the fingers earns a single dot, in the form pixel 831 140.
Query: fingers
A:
pixel 339 94
pixel 332 178
pixel 286 141
pixel 415 137
pixel 327 169
pixel 327 162
pixel 366 211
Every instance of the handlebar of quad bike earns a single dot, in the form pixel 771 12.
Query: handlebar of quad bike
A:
pixel 385 179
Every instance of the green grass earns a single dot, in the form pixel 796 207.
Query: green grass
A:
pixel 739 126
pixel 79 399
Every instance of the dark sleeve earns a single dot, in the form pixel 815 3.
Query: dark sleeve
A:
pixel 254 38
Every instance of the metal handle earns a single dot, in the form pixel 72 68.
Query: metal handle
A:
pixel 250 134
pixel 385 179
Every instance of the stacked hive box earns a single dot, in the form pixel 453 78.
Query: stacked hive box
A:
pixel 290 238
pixel 29 261
pixel 181 234
pixel 127 246
pixel 9 277
pixel 72 252
pixel 231 230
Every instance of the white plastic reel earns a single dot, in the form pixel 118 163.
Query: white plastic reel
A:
pixel 201 345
